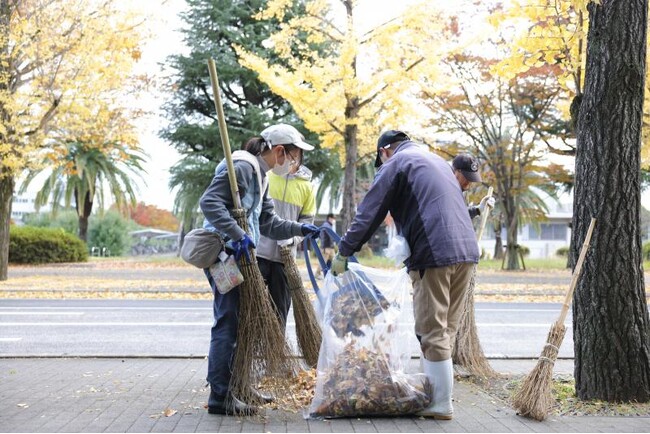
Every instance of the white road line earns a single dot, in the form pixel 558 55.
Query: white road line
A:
pixel 41 313
pixel 101 324
pixel 10 339
pixel 514 310
pixel 185 324
pixel 210 308
pixel 106 308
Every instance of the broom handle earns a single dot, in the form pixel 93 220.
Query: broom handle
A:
pixel 484 217
pixel 223 129
pixel 576 272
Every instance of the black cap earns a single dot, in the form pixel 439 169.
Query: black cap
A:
pixel 388 138
pixel 468 166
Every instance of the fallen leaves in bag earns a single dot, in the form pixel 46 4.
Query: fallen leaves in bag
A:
pixel 360 383
pixel 353 308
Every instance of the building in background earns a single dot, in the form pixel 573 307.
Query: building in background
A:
pixel 22 205
pixel 543 239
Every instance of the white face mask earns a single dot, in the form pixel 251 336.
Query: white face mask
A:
pixel 282 169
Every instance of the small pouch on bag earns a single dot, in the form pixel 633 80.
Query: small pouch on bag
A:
pixel 225 273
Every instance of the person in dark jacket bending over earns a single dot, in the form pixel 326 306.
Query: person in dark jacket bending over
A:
pixel 216 203
pixel 423 196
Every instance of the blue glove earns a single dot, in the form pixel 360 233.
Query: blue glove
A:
pixel 339 264
pixel 242 247
pixel 307 229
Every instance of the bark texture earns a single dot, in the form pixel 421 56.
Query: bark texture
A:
pixel 610 313
pixel 6 196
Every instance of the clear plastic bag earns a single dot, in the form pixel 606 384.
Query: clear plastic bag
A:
pixel 365 347
pixel 225 273
pixel 398 249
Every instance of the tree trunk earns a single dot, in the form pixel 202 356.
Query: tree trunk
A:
pixel 348 209
pixel 6 195
pixel 512 252
pixel 610 314
pixel 7 180
pixel 498 242
pixel 83 214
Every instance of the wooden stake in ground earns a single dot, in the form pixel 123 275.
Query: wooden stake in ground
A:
pixel 308 331
pixel 467 351
pixel 534 398
pixel 262 349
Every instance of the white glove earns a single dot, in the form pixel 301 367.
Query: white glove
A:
pixel 486 201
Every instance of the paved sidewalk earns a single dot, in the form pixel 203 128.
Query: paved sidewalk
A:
pixel 133 395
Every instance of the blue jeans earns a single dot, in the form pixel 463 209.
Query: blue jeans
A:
pixel 223 340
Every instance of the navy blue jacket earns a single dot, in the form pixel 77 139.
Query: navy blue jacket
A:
pixel 424 198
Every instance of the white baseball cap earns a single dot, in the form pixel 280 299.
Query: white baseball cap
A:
pixel 283 134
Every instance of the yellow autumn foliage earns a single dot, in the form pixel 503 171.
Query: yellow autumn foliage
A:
pixel 363 78
pixel 72 64
pixel 554 32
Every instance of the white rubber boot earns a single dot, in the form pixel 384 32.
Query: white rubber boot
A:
pixel 441 376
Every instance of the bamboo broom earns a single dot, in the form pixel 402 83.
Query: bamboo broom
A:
pixel 467 351
pixel 261 346
pixel 308 331
pixel 534 398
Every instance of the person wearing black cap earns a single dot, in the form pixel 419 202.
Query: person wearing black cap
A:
pixel 466 169
pixel 424 198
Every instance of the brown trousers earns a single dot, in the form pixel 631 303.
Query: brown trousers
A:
pixel 438 300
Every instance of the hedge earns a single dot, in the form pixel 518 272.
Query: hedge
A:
pixel 33 245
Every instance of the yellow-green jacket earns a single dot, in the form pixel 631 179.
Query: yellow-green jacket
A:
pixel 294 199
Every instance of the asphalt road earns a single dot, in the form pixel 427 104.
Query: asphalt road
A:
pixel 181 328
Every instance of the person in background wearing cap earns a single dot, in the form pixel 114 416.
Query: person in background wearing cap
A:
pixel 425 200
pixel 294 199
pixel 466 169
pixel 250 166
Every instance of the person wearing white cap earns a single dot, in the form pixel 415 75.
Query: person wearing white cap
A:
pixel 270 151
pixel 294 199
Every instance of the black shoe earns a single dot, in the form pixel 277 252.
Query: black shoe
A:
pixel 232 406
pixel 261 397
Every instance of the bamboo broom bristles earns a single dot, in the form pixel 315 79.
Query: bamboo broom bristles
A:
pixel 534 398
pixel 307 329
pixel 467 351
pixel 262 349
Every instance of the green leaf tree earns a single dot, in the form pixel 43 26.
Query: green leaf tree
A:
pixel 212 29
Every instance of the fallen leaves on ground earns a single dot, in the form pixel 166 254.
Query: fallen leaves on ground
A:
pixel 300 392
pixel 566 402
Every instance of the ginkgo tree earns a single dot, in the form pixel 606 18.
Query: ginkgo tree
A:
pixel 554 33
pixel 359 81
pixel 62 63
pixel 611 325
pixel 547 33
